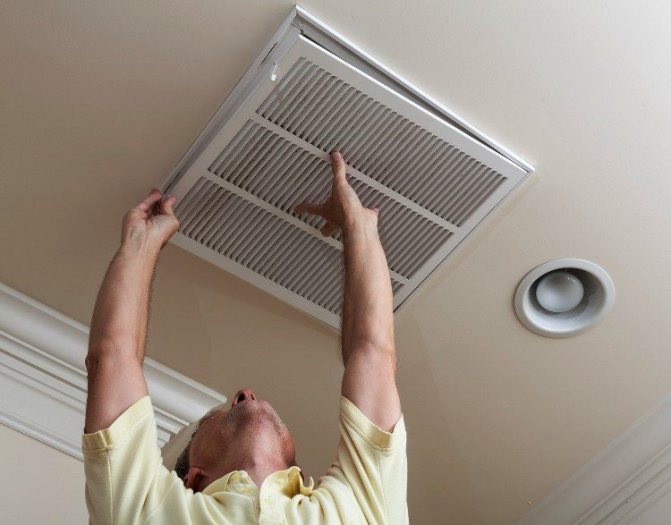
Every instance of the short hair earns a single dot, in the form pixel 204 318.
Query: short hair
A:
pixel 182 464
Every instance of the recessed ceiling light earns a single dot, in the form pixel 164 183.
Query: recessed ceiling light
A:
pixel 559 291
pixel 564 297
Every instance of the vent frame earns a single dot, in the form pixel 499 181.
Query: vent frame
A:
pixel 288 45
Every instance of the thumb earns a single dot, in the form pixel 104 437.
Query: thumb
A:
pixel 167 204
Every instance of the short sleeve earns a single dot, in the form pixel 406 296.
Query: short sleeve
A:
pixel 370 471
pixel 125 477
pixel 130 420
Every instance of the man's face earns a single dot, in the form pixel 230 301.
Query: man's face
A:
pixel 248 432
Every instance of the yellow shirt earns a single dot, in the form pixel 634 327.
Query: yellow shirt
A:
pixel 126 482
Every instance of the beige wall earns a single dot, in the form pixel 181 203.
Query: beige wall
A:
pixel 39 484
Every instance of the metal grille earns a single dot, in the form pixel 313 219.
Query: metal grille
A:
pixel 328 113
pixel 266 150
pixel 284 175
pixel 255 238
pixel 264 243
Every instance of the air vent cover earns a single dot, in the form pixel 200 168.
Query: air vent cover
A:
pixel 433 176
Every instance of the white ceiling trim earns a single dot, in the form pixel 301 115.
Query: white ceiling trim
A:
pixel 631 474
pixel 43 378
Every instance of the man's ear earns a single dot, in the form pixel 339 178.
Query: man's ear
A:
pixel 194 478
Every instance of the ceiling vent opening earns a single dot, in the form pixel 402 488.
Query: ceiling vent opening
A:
pixel 433 176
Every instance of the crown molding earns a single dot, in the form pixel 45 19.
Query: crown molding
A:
pixel 632 474
pixel 43 378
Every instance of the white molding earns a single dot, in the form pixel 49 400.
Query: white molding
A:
pixel 43 378
pixel 631 474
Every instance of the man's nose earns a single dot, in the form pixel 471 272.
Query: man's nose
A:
pixel 242 395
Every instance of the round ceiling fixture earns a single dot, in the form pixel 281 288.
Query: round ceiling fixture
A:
pixel 564 297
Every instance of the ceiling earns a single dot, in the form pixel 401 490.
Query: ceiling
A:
pixel 99 100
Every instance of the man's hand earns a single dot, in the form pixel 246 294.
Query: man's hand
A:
pixel 368 347
pixel 119 324
pixel 343 208
pixel 150 224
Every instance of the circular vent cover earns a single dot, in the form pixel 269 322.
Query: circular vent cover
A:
pixel 564 297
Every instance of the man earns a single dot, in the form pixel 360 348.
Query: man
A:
pixel 240 466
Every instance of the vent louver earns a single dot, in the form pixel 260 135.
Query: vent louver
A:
pixel 297 175
pixel 267 148
pixel 259 240
pixel 328 113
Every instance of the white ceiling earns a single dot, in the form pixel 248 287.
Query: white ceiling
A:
pixel 99 100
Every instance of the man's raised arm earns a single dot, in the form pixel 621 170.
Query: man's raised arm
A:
pixel 368 346
pixel 119 324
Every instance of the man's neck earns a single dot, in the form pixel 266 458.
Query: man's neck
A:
pixel 260 463
pixel 261 470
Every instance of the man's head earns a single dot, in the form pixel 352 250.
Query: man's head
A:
pixel 249 436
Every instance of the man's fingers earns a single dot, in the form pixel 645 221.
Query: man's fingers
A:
pixel 167 204
pixel 338 166
pixel 329 229
pixel 310 207
pixel 150 200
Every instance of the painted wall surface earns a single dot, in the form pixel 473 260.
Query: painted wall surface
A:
pixel 39 484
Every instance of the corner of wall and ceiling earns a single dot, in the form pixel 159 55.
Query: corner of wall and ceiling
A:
pixel 627 478
pixel 43 378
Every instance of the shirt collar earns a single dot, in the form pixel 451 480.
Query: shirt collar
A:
pixel 287 482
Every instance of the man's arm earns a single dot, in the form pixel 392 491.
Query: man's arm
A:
pixel 368 347
pixel 119 324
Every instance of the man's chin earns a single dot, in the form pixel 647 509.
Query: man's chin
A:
pixel 254 413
